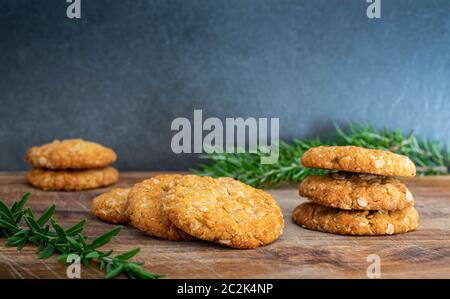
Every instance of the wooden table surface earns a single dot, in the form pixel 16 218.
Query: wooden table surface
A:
pixel 299 253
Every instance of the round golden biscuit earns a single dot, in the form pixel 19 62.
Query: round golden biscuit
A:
pixel 145 208
pixel 70 154
pixel 358 159
pixel 112 206
pixel 225 211
pixel 72 180
pixel 363 223
pixel 350 191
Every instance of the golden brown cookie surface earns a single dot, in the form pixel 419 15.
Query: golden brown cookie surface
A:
pixel 145 208
pixel 70 154
pixel 72 180
pixel 364 223
pixel 358 159
pixel 225 211
pixel 112 206
pixel 349 191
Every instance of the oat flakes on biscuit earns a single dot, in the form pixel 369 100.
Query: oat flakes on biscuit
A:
pixel 363 223
pixel 225 211
pixel 145 208
pixel 112 206
pixel 358 159
pixel 72 180
pixel 70 154
pixel 350 191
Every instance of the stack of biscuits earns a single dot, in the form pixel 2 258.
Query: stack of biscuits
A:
pixel 187 207
pixel 362 196
pixel 71 165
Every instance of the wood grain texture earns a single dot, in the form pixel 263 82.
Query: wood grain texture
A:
pixel 300 253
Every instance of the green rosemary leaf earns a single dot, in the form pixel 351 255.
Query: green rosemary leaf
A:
pixel 8 226
pixel 15 240
pixel 114 271
pixel 105 238
pixel 127 255
pixel 109 267
pixel 30 214
pixel 84 261
pixel 19 239
pixel 63 258
pixel 42 236
pixel 46 216
pixel 18 216
pixel 18 206
pixel 102 265
pixel 137 271
pixel 32 224
pixel 58 229
pixel 20 234
pixel 76 229
pixel 47 252
pixel 82 240
pixel 75 244
pixel 5 213
pixel 92 255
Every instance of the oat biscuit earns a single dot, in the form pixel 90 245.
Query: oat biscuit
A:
pixel 71 180
pixel 350 191
pixel 358 159
pixel 70 154
pixel 225 211
pixel 145 208
pixel 112 206
pixel 363 223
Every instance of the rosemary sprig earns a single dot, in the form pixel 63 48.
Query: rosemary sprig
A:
pixel 51 238
pixel 431 157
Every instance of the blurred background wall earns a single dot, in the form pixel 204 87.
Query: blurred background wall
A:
pixel 126 69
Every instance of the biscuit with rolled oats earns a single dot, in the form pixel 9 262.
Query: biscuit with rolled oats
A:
pixel 350 191
pixel 145 208
pixel 72 180
pixel 358 159
pixel 112 206
pixel 70 154
pixel 363 223
pixel 225 211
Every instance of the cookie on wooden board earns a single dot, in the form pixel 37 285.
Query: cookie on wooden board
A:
pixel 70 154
pixel 363 223
pixel 112 206
pixel 350 191
pixel 72 180
pixel 225 211
pixel 358 159
pixel 145 208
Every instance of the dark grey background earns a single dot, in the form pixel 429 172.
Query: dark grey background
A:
pixel 122 73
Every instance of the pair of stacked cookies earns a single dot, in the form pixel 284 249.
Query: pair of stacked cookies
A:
pixel 71 165
pixel 177 207
pixel 362 198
